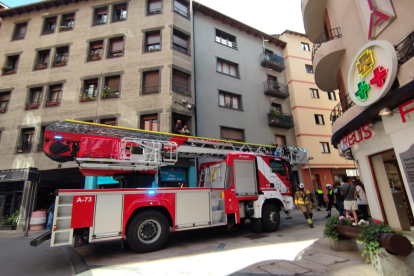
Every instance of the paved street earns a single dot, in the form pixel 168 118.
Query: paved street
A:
pixel 202 252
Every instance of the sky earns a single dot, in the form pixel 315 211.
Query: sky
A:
pixel 269 16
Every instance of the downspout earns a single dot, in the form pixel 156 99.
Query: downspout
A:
pixel 195 78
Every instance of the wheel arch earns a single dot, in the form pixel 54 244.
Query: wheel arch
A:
pixel 163 210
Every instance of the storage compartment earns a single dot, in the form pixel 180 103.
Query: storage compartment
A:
pixel 245 178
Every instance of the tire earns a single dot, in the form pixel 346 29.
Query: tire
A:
pixel 270 217
pixel 148 231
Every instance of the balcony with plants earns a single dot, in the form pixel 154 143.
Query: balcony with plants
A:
pixel 278 119
pixel 109 93
pixel 276 89
pixel 272 61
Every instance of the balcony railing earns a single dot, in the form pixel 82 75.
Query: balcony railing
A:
pixel 64 28
pixel 182 13
pixel 325 37
pixel 226 42
pixel 18 36
pixel 152 48
pixel 276 89
pixel 405 49
pixel 113 54
pixel 272 61
pixel 24 147
pixel 151 89
pixel 99 22
pixel 181 49
pixel 48 30
pixel 283 121
pixel 117 18
pixel 94 57
pixel 181 89
pixel 32 105
pixel 344 104
pixel 154 11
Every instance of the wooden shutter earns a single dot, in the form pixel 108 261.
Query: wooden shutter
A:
pixel 97 45
pixel 155 4
pixel 5 96
pixel 180 40
pixel 180 79
pixel 153 38
pixel 103 11
pixel 69 16
pixel 113 83
pixel 117 45
pixel 232 134
pixel 151 79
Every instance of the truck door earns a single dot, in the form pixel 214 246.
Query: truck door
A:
pixel 108 216
pixel 275 173
pixel 245 178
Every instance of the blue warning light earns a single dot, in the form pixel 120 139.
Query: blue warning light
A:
pixel 151 192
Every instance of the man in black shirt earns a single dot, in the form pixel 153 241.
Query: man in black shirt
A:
pixel 339 199
pixel 178 127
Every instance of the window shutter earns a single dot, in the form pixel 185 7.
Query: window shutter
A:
pixel 22 29
pixel 117 45
pixel 28 131
pixel 180 5
pixel 120 7
pixel 151 79
pixel 4 97
pixel 232 134
pixel 180 80
pixel 69 17
pixel 113 83
pixel 103 11
pixel 153 38
pixel 56 88
pixel 180 40
pixel 97 45
pixel 155 4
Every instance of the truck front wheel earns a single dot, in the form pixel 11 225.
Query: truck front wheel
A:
pixel 148 231
pixel 270 217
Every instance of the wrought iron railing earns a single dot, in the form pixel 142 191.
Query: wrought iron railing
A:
pixel 99 21
pixel 344 104
pixel 182 13
pixel 154 11
pixel 24 147
pixel 405 49
pixel 152 48
pixel 181 49
pixel 117 18
pixel 181 89
pixel 284 118
pixel 65 27
pixel 277 86
pixel 325 37
pixel 272 58
pixel 19 36
pixel 151 89
pixel 49 30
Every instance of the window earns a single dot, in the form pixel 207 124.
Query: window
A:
pixel 152 41
pixel 149 123
pixel 120 12
pixel 280 140
pixel 116 47
pixel 61 56
pixel 35 96
pixel 20 31
pixel 309 69
pixel 332 96
pixel 4 101
pixel 96 50
pixel 91 90
pixel 68 21
pixel 185 121
pixel 305 47
pixel 26 141
pixel 226 39
pixel 55 93
pixel 277 106
pixel 325 147
pixel 319 119
pixel 229 100
pixel 101 16
pixel 277 166
pixel 12 63
pixel 151 82
pixel 232 134
pixel 41 138
pixel 42 60
pixel 180 42
pixel 112 87
pixel 181 8
pixel 314 93
pixel 181 83
pixel 49 26
pixel 154 7
pixel 227 68
pixel 109 122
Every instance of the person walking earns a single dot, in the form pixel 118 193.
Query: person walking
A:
pixel 339 199
pixel 331 199
pixel 350 204
pixel 361 199
pixel 302 202
pixel 321 200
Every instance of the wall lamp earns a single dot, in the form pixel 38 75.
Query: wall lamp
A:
pixel 385 111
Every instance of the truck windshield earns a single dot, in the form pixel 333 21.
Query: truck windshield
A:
pixel 277 166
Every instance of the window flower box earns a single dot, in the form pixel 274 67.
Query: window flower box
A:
pixel 52 103
pixel 2 110
pixel 59 64
pixel 109 96
pixel 32 106
pixel 87 99
pixel 65 28
pixel 7 70
pixel 40 66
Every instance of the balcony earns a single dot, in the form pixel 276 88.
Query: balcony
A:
pixel 182 13
pixel 344 104
pixel 327 52
pixel 284 120
pixel 276 89
pixel 181 49
pixel 272 61
pixel 117 18
pixel 313 13
pixel 405 49
pixel 181 89
pixel 25 147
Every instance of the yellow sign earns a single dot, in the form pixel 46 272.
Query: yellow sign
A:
pixel 365 62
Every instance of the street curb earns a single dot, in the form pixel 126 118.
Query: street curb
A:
pixel 78 263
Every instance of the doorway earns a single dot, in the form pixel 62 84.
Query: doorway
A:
pixel 393 197
pixel 315 181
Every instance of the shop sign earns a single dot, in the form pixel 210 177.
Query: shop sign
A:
pixel 407 159
pixel 173 174
pixel 372 72
pixel 355 137
pixel 377 15
pixel 29 174
pixel 406 108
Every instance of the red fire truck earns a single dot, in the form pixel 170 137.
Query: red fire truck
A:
pixel 248 181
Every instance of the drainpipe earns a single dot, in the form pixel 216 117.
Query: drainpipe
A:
pixel 195 78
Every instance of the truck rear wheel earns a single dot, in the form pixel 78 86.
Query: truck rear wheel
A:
pixel 148 231
pixel 270 217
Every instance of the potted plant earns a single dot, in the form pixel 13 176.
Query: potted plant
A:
pixel 59 62
pixel 52 103
pixel 109 93
pixel 6 224
pixel 5 69
pixel 275 113
pixel 41 66
pixel 14 219
pixel 187 93
pixel 32 106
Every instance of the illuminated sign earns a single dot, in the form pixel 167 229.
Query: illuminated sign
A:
pixel 355 137
pixel 377 15
pixel 372 73
pixel 406 108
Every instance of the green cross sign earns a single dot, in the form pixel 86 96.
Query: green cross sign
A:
pixel 362 92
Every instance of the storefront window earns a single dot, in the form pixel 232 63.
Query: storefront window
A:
pixel 175 177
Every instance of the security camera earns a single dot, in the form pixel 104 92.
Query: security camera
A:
pixel 184 100
pixel 190 106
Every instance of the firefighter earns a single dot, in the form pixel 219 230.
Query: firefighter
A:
pixel 331 199
pixel 321 200
pixel 302 202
